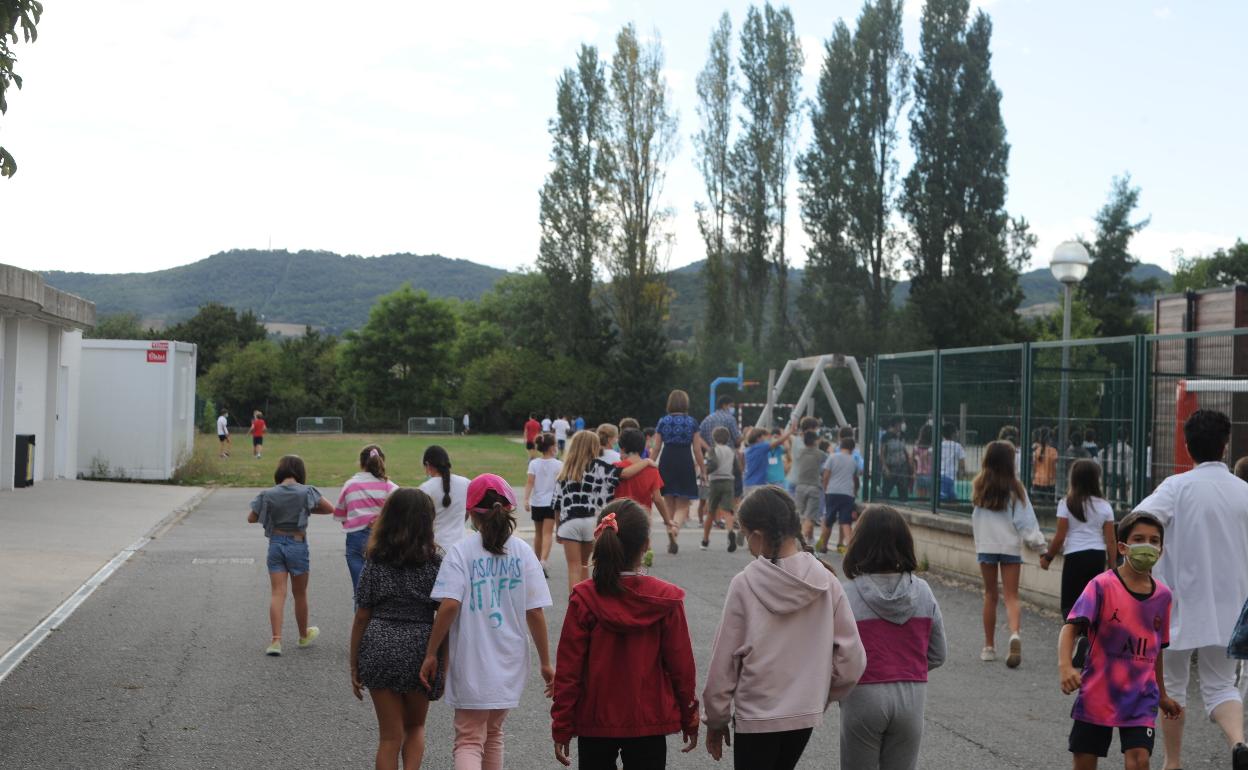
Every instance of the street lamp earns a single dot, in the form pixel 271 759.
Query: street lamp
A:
pixel 1069 265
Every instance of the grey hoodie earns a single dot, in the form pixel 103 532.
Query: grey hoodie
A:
pixel 787 646
pixel 900 625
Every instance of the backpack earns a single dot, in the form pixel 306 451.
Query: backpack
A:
pixel 895 457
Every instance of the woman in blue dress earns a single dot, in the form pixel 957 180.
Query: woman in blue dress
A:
pixel 680 449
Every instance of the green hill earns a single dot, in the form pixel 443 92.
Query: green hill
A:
pixel 335 292
pixel 306 287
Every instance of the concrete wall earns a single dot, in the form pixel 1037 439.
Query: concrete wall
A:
pixel 38 383
pixel 137 414
pixel 946 543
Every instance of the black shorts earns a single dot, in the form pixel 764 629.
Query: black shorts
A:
pixel 530 445
pixel 257 440
pixel 1087 738
pixel 222 437
pixel 543 512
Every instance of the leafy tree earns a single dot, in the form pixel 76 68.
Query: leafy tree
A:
pixel 122 326
pixel 642 139
pixel 214 328
pixel 716 86
pixel 309 382
pixel 965 280
pixel 1225 267
pixel 849 179
pixel 401 359
pixel 771 63
pixel 573 217
pixel 1088 373
pixel 1109 291
pixel 14 14
pixel 245 378
pixel 834 279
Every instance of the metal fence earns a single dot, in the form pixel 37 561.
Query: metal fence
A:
pixel 1118 401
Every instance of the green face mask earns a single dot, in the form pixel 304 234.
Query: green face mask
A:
pixel 1142 556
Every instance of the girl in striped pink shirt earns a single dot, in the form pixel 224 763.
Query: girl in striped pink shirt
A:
pixel 360 504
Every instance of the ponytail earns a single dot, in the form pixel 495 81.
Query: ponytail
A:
pixel 622 533
pixel 771 512
pixel 495 524
pixel 437 458
pixel 373 460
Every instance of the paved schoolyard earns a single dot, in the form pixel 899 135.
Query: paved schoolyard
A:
pixel 162 668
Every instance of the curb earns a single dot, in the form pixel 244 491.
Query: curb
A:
pixel 11 659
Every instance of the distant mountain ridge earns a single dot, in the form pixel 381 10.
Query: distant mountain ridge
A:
pixel 335 292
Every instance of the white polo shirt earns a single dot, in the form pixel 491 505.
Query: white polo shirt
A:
pixel 1204 560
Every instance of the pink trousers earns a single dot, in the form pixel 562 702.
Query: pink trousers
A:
pixel 479 739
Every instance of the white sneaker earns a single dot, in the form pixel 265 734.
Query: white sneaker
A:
pixel 988 654
pixel 1016 652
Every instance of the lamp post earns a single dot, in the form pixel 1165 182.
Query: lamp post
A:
pixel 1069 265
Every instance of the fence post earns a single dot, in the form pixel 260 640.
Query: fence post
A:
pixel 1024 430
pixel 937 424
pixel 1140 394
pixel 873 416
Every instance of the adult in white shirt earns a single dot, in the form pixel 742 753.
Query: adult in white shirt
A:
pixel 449 491
pixel 1204 562
pixel 223 432
pixel 561 426
pixel 467 423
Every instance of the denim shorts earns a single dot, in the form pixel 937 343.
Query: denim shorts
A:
pixel 999 558
pixel 287 554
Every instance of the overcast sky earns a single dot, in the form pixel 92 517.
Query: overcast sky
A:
pixel 153 133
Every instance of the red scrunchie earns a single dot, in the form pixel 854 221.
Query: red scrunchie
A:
pixel 608 522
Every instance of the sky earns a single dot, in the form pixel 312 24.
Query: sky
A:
pixel 154 133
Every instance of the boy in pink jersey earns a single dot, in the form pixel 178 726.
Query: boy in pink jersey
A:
pixel 1126 615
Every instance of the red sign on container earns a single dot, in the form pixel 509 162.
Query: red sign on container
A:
pixel 157 356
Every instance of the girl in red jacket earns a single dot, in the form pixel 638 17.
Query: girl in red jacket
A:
pixel 623 633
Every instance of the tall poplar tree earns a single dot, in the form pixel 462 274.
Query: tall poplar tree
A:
pixel 573 215
pixel 965 276
pixel 849 181
pixel 716 87
pixel 642 139
pixel 771 63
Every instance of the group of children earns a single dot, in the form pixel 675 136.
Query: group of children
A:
pixel 443 612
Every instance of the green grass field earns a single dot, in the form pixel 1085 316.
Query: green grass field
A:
pixel 332 459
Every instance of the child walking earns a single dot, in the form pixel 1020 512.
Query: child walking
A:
pixel 1124 609
pixel 539 495
pixel 491 586
pixel 359 505
pixel 625 677
pixel 1085 533
pixel 904 637
pixel 283 511
pixel 787 644
pixel 759 455
pixel 807 485
pixel 393 623
pixel 1002 522
pixel 840 487
pixel 645 489
pixel 721 464
pixel 585 484
pixel 448 491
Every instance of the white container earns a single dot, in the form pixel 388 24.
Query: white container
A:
pixel 137 408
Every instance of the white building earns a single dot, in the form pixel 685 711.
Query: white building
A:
pixel 40 352
pixel 137 411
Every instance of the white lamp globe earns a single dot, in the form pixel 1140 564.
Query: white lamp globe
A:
pixel 1070 262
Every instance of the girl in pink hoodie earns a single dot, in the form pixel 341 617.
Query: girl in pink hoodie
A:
pixel 787 644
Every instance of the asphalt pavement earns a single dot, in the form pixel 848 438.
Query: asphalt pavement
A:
pixel 163 668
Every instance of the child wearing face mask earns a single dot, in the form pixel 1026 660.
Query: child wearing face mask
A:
pixel 787 644
pixel 1125 614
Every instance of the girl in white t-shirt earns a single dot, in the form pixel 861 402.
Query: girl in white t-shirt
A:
pixel 491 586
pixel 1085 532
pixel 448 491
pixel 539 494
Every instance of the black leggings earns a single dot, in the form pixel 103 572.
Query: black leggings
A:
pixel 1078 569
pixel 648 753
pixel 769 751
